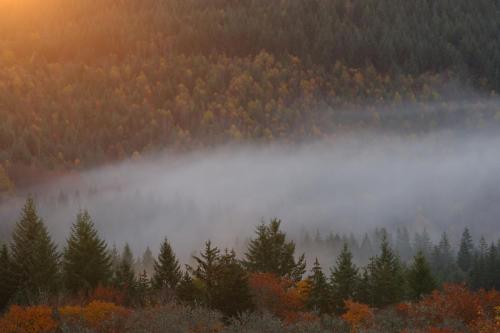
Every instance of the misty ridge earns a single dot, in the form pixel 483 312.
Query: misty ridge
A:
pixel 351 184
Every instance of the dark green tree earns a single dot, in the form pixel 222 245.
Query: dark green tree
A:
pixel 344 279
pixel 35 260
pixel 124 278
pixel 386 280
pixel 319 299
pixel 86 261
pixel 270 252
pixel 207 266
pixel 465 252
pixel 7 284
pixel 167 272
pixel 419 278
pixel 231 293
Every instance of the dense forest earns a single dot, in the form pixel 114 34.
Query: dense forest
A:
pixel 171 88
pixel 87 82
pixel 90 287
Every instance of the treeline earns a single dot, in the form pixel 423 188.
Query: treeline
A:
pixel 87 82
pixel 467 262
pixel 270 276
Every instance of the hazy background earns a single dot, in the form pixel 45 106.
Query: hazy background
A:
pixel 350 183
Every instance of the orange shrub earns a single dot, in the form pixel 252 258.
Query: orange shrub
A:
pixel 457 302
pixel 357 315
pixel 35 319
pixel 277 295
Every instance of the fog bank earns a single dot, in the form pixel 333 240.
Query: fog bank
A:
pixel 352 183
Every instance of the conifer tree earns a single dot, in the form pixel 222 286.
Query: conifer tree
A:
pixel 319 299
pixel 186 290
pixel 148 261
pixel 232 294
pixel 124 276
pixel 270 252
pixel 419 277
pixel 465 252
pixel 34 256
pixel 7 285
pixel 386 281
pixel 86 261
pixel 167 272
pixel 344 279
pixel 206 271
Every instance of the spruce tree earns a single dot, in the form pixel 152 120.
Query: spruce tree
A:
pixel 270 252
pixel 86 261
pixel 344 279
pixel 207 266
pixel 466 252
pixel 124 275
pixel 148 262
pixel 319 299
pixel 386 277
pixel 420 278
pixel 34 256
pixel 167 272
pixel 231 294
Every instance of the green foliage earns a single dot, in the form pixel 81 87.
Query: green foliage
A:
pixel 320 295
pixel 124 276
pixel 465 253
pixel 386 279
pixel 167 272
pixel 270 252
pixel 344 279
pixel 35 260
pixel 86 262
pixel 222 282
pixel 419 278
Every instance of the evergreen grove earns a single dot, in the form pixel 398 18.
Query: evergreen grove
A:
pixel 32 270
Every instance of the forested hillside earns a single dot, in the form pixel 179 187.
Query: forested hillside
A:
pixel 85 82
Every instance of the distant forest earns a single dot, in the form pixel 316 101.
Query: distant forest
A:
pixel 85 82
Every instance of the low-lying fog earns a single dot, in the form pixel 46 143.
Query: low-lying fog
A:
pixel 348 184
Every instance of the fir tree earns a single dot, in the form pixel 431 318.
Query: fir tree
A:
pixel 419 277
pixel 124 275
pixel 271 252
pixel 206 271
pixel 386 279
pixel 344 279
pixel 231 293
pixel 167 272
pixel 319 299
pixel 34 256
pixel 148 261
pixel 466 252
pixel 86 262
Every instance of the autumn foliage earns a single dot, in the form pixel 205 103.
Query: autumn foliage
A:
pixel 35 319
pixel 357 315
pixel 280 296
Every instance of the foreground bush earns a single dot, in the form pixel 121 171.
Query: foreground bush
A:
pixel 35 319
